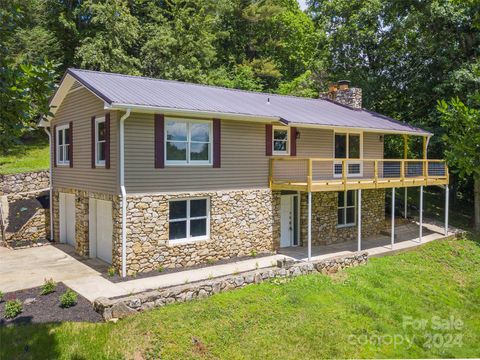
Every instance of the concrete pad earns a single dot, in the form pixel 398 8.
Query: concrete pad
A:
pixel 92 287
pixel 27 268
pixel 182 277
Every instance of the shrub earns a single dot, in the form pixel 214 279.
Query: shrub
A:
pixel 48 287
pixel 2 295
pixel 13 308
pixel 111 271
pixel 68 299
pixel 253 253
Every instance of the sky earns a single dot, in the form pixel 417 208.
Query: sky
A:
pixel 303 4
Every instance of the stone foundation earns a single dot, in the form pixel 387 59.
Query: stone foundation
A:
pixel 242 222
pixel 324 217
pixel 82 243
pixel 125 306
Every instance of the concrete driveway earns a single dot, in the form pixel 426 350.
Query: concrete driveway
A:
pixel 27 268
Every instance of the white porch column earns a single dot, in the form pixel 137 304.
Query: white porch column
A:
pixel 446 208
pixel 393 218
pixel 421 214
pixel 309 236
pixel 405 202
pixel 359 230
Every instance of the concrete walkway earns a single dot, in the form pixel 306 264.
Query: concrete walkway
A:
pixel 26 268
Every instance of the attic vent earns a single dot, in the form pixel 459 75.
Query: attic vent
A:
pixel 76 85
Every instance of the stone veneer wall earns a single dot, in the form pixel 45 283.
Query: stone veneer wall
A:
pixel 324 217
pixel 128 305
pixel 241 222
pixel 24 182
pixel 81 218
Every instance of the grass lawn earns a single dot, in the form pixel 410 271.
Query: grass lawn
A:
pixel 311 316
pixel 31 155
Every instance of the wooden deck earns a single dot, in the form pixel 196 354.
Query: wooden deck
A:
pixel 310 174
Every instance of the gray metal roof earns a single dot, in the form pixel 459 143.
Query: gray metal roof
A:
pixel 176 95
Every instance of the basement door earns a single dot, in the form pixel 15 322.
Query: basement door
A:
pixel 66 211
pixel 289 207
pixel 100 229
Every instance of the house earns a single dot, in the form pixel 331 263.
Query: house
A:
pixel 149 173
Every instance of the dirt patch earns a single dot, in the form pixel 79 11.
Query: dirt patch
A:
pixel 117 278
pixel 46 308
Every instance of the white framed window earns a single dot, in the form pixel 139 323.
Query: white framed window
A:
pixel 349 146
pixel 347 208
pixel 281 140
pixel 63 145
pixel 100 141
pixel 188 142
pixel 189 219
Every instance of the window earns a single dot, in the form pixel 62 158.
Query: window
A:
pixel 188 142
pixel 280 140
pixel 346 208
pixel 348 146
pixel 100 141
pixel 189 219
pixel 63 145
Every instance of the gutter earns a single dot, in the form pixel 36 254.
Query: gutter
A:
pixel 123 192
pixel 50 181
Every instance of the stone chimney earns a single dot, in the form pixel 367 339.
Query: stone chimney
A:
pixel 342 93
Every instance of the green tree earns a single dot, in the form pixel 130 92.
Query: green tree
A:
pixel 462 141
pixel 108 38
pixel 24 88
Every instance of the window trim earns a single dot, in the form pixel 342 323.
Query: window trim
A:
pixel 348 160
pixel 189 238
pixel 62 128
pixel 287 152
pixel 188 161
pixel 345 207
pixel 99 163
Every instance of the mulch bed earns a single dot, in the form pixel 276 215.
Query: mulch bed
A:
pixel 46 308
pixel 117 278
pixel 22 210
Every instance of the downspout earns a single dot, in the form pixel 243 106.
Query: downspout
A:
pixel 123 192
pixel 50 181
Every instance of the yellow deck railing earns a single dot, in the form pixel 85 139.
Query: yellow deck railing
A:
pixel 321 174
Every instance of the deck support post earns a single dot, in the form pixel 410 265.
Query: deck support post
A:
pixel 309 236
pixel 392 240
pixel 421 214
pixel 359 230
pixel 447 192
pixel 405 215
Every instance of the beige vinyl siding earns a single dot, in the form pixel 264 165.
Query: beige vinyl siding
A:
pixel 243 161
pixel 372 149
pixel 79 106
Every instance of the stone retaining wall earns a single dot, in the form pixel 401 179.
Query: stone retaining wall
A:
pixel 324 217
pixel 122 307
pixel 24 182
pixel 34 230
pixel 241 222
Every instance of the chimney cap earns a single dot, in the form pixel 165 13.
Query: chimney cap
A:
pixel 344 82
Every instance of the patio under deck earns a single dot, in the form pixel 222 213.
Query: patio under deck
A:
pixel 379 245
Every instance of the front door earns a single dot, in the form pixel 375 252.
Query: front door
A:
pixel 288 220
pixel 66 219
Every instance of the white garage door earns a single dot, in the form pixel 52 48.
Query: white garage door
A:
pixel 67 218
pixel 101 229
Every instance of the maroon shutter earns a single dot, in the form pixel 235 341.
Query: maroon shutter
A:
pixel 293 141
pixel 54 136
pixel 159 141
pixel 268 140
pixel 217 143
pixel 92 142
pixel 107 141
pixel 70 148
